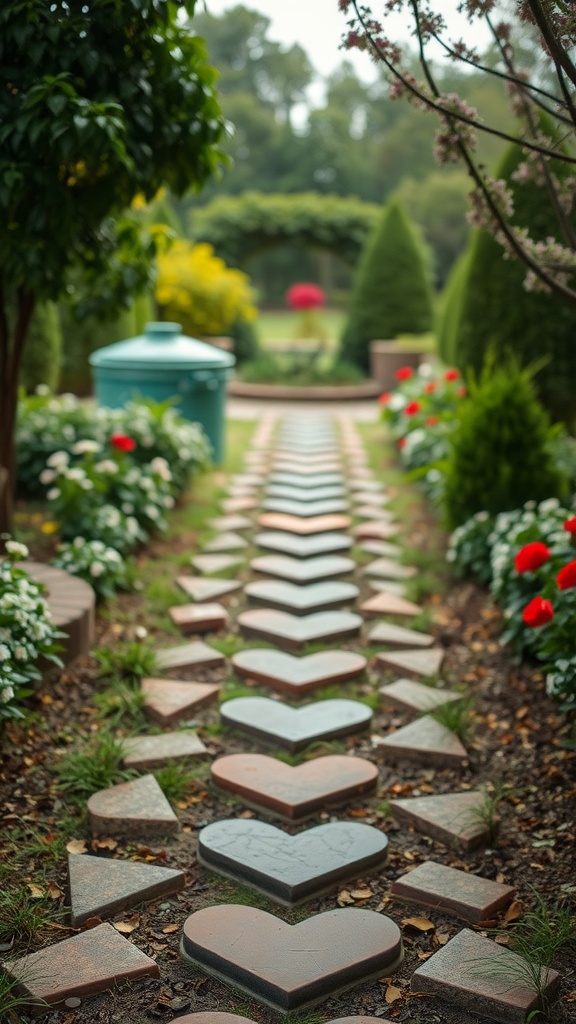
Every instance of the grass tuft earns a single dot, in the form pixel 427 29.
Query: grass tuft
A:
pixel 96 766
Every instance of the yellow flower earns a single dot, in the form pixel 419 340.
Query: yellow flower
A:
pixel 49 527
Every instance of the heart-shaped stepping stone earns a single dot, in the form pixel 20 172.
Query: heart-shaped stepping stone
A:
pixel 454 818
pixel 314 597
pixel 399 636
pixel 230 523
pixel 305 509
pixel 387 603
pixel 199 618
pixel 168 701
pixel 303 547
pixel 413 662
pixel 461 893
pixel 307 480
pixel 387 587
pixel 294 728
pixel 293 631
pixel 305 494
pixel 308 459
pixel 424 741
pixel 91 962
pixel 375 530
pixel 389 569
pixel 147 752
pixel 291 966
pixel 194 655
pixel 303 526
pixel 215 563
pixel 293 793
pixel 291 868
pixel 227 541
pixel 303 570
pixel 100 886
pixel 380 547
pixel 306 467
pixel 409 695
pixel 132 809
pixel 298 676
pixel 202 588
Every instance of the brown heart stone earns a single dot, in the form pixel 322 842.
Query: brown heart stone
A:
pixel 304 526
pixel 297 676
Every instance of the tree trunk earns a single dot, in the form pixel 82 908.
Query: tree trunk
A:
pixel 13 332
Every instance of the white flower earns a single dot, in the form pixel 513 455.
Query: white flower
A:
pixel 58 459
pixel 47 476
pixel 481 517
pixel 53 493
pixel 16 550
pixel 550 505
pixel 106 466
pixel 397 401
pixel 425 370
pixel 20 653
pixel 42 390
pixel 140 632
pixel 85 445
pixel 79 542
pixel 6 694
pixel 161 467
pixel 96 569
pixel 4 653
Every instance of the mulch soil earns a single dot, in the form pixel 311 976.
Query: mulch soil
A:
pixel 516 749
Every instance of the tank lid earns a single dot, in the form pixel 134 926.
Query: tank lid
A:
pixel 163 347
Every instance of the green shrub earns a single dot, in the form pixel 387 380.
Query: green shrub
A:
pixel 245 337
pixel 499 457
pixel 81 337
pixel 451 309
pixel 41 361
pixel 391 294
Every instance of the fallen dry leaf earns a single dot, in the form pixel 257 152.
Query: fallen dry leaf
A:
pixel 392 994
pixel 361 894
pixel 76 846
pixel 169 929
pixel 422 924
pixel 103 844
pixel 54 891
pixel 36 891
pixel 344 898
pixel 514 912
pixel 126 927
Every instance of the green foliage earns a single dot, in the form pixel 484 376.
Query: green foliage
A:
pixel 41 362
pixel 298 370
pixel 82 337
pixel 246 341
pixel 391 293
pixel 499 456
pixel 448 319
pixel 438 205
pixel 130 661
pixel 21 915
pixel 97 765
pixel 240 226
pixel 498 312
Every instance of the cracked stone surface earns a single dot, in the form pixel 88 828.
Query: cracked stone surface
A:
pixel 409 695
pixel 303 570
pixel 313 597
pixel 424 741
pixel 203 588
pixel 297 676
pixel 419 663
pixel 291 868
pixel 101 886
pixel 132 809
pixel 295 631
pixel 483 978
pixel 303 526
pixel 147 752
pixel 168 701
pixel 194 655
pixel 271 960
pixel 294 728
pixel 302 547
pixel 452 818
pixel 293 793
pixel 93 961
pixel 467 896
pixel 399 636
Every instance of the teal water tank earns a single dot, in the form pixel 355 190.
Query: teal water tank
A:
pixel 163 363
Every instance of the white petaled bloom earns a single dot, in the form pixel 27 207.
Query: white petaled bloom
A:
pixel 79 542
pixel 47 476
pixel 481 517
pixel 84 446
pixel 151 511
pixel 549 505
pixel 20 653
pixel 127 508
pixel 42 390
pixel 53 493
pixel 68 432
pixel 96 569
pixel 58 459
pixel 161 467
pixel 4 653
pixel 425 370
pixel 76 474
pixel 397 401
pixel 140 632
pixel 169 501
pixel 106 466
pixel 16 550
pixel 86 485
pixel 6 694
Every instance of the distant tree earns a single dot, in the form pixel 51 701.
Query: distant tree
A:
pixel 438 204
pixel 99 102
pixel 391 294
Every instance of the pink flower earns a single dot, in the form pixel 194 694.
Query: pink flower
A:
pixel 305 296
pixel 430 387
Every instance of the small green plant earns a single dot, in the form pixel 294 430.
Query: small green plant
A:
pixel 133 659
pixel 121 701
pixel 178 778
pixel 456 716
pixel 487 811
pixel 96 766
pixel 10 1000
pixel 22 915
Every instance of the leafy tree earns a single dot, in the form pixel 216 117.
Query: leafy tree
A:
pixel 98 102
pixel 549 26
pixel 391 294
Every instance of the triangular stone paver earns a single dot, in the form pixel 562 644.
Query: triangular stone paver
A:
pixel 203 588
pixel 91 962
pixel 227 541
pixel 461 893
pixel 293 793
pixel 453 818
pixel 422 664
pixel 168 701
pixel 301 480
pixel 387 603
pixel 303 570
pixel 293 631
pixel 230 523
pixel 388 587
pixel 424 741
pixel 297 676
pixel 148 752
pixel 100 886
pixel 303 526
pixel 387 568
pixel 408 695
pixel 271 960
pixel 328 507
pixel 294 728
pixel 199 618
pixel 215 563
pixel 481 977
pixel 303 547
pixel 375 530
pixel 193 655
pixel 297 599
pixel 305 494
pixel 399 636
pixel 380 547
pixel 132 809
pixel 291 868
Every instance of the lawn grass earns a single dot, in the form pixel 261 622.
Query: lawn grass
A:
pixel 277 326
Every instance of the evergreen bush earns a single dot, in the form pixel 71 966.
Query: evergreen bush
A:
pixel 498 313
pixel 500 454
pixel 81 337
pixel 450 310
pixel 42 355
pixel 391 294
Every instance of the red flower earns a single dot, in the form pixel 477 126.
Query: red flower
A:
pixel 412 408
pixel 462 392
pixel 430 387
pixel 538 612
pixel 451 375
pixel 404 373
pixel 123 443
pixel 531 556
pixel 401 442
pixel 566 578
pixel 431 421
pixel 570 525
pixel 384 398
pixel 305 296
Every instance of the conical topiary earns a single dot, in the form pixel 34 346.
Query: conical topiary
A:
pixel 391 294
pixel 41 359
pixel 450 309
